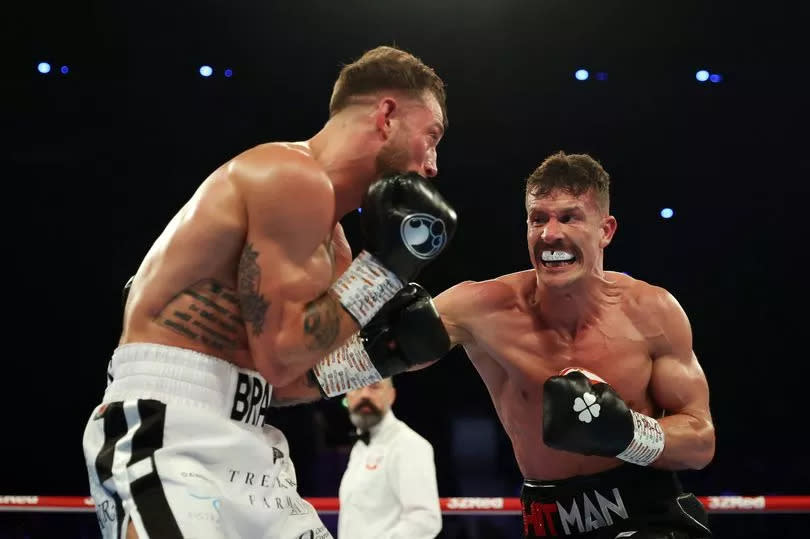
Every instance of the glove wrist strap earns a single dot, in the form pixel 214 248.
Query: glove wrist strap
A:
pixel 349 367
pixel 648 441
pixel 365 287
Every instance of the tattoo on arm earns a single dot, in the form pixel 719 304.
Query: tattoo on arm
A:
pixel 254 306
pixel 322 322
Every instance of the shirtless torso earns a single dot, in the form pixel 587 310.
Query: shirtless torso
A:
pixel 186 293
pixel 514 352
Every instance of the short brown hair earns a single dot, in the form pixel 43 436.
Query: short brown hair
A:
pixel 575 174
pixel 386 68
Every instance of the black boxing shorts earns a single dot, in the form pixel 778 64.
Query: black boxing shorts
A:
pixel 628 501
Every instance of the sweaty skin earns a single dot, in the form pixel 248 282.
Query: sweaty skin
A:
pixel 522 328
pixel 207 284
pixel 242 272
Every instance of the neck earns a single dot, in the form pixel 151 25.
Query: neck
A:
pixel 572 308
pixel 348 157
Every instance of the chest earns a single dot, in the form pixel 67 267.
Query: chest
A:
pixel 614 348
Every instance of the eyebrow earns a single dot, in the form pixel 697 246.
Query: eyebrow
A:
pixel 438 126
pixel 566 209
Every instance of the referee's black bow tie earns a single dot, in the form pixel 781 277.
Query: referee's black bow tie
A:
pixel 365 436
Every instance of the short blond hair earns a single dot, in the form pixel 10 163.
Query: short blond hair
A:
pixel 386 68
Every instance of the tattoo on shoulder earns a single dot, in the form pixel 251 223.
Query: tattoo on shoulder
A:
pixel 254 306
pixel 322 322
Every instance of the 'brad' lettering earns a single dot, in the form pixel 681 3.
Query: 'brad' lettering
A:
pixel 251 400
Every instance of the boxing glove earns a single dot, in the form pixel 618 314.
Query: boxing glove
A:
pixel 406 332
pixel 406 223
pixel 583 414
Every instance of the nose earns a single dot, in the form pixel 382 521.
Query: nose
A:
pixel 431 167
pixel 551 232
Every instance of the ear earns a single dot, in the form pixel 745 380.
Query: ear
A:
pixel 609 225
pixel 383 114
pixel 393 396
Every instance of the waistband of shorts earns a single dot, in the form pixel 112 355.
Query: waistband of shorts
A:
pixel 171 374
pixel 629 478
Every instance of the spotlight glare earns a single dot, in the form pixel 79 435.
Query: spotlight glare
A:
pixel 206 71
pixel 666 213
pixel 64 70
pixel 715 77
pixel 702 75
pixel 44 67
pixel 228 72
pixel 581 74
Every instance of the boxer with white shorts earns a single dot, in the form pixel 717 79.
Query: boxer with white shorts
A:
pixel 250 286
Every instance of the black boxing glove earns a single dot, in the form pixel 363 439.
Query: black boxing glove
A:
pixel 583 414
pixel 407 224
pixel 406 332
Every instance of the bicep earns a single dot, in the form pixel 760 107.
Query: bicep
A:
pixel 678 383
pixel 289 216
pixel 284 259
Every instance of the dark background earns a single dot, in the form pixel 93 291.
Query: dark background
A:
pixel 102 157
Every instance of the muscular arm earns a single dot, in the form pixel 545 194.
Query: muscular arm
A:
pixel 286 266
pixel 451 307
pixel 454 305
pixel 679 386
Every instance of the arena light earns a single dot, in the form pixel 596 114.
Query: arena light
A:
pixel 702 75
pixel 44 67
pixel 206 71
pixel 64 70
pixel 667 213
pixel 581 74
pixel 229 73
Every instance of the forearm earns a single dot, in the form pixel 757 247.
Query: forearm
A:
pixel 689 443
pixel 308 333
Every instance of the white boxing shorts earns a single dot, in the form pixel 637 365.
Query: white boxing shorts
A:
pixel 179 447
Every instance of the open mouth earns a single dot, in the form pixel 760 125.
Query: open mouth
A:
pixel 557 259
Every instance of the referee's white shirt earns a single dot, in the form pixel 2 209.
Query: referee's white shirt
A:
pixel 389 490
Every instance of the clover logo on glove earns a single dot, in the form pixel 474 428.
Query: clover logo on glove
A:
pixel 423 235
pixel 587 407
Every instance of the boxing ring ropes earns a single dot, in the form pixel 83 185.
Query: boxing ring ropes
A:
pixel 450 506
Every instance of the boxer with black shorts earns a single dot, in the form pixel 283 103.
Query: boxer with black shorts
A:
pixel 591 372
